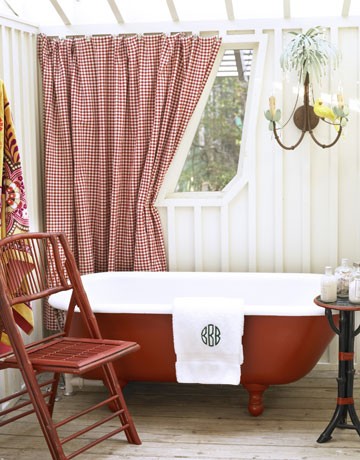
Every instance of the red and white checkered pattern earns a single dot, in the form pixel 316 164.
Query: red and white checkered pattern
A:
pixel 115 109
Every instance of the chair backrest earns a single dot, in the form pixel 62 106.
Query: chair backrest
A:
pixel 36 265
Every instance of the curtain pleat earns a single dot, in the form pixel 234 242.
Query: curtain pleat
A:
pixel 115 110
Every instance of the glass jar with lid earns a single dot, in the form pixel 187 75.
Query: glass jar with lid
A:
pixel 328 286
pixel 354 284
pixel 342 274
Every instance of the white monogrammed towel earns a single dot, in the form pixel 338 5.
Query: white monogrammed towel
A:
pixel 208 339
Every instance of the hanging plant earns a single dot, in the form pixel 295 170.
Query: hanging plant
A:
pixel 309 53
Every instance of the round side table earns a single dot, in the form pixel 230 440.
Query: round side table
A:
pixel 347 333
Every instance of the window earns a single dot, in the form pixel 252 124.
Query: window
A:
pixel 214 154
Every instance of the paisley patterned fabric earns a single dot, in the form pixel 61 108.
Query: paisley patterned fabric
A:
pixel 13 207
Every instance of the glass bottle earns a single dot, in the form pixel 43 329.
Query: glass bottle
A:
pixel 328 285
pixel 342 274
pixel 354 284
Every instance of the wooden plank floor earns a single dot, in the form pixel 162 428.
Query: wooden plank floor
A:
pixel 208 422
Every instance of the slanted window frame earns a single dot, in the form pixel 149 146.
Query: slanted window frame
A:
pixel 258 43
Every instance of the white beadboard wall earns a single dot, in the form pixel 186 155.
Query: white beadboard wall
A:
pixel 18 69
pixel 285 211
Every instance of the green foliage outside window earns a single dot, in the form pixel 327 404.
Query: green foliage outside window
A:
pixel 214 155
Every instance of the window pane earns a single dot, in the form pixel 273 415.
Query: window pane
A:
pixel 214 155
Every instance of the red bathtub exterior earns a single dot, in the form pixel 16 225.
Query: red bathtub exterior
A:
pixel 277 349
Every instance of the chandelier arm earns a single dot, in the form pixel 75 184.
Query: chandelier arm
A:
pixel 326 146
pixel 283 145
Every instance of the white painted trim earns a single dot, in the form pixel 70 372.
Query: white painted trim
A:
pixel 196 199
pixel 171 238
pixel 222 27
pixel 224 238
pixel 198 239
pixel 248 144
pixel 177 164
pixel 19 24
pixel 258 43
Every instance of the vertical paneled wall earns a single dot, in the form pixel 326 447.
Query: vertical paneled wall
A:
pixel 286 212
pixel 296 211
pixel 18 69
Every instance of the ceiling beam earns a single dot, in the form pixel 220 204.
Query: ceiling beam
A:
pixel 11 8
pixel 286 9
pixel 346 8
pixel 116 12
pixel 230 10
pixel 60 12
pixel 172 9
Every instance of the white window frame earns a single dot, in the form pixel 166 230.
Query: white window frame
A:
pixel 167 196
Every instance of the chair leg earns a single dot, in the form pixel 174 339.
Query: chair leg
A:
pixel 43 414
pixel 112 383
pixel 53 393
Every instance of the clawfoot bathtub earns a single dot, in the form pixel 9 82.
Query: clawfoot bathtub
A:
pixel 285 333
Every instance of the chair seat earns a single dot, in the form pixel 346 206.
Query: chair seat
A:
pixel 75 355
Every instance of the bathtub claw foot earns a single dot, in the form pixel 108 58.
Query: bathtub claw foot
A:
pixel 255 406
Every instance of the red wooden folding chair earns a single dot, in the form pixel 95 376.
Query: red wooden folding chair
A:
pixel 34 266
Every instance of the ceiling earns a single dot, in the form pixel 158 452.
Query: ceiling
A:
pixel 79 12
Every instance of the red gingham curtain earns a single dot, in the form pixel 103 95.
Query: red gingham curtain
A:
pixel 115 109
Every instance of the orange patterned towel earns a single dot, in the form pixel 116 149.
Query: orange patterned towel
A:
pixel 13 210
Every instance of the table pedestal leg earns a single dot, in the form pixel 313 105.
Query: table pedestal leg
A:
pixel 345 402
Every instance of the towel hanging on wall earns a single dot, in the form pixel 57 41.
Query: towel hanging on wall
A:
pixel 208 339
pixel 13 206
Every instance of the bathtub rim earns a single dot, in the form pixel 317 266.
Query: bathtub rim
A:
pixel 61 300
